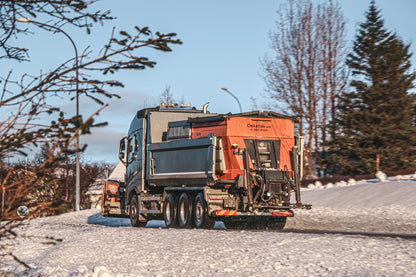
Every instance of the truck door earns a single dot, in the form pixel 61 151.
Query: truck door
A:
pixel 135 158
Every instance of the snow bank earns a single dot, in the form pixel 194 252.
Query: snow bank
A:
pixel 367 206
pixel 365 193
pixel 381 176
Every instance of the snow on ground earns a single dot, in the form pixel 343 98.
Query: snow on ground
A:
pixel 363 206
pixel 365 228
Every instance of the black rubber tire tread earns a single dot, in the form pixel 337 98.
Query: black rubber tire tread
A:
pixel 186 222
pixel 169 203
pixel 133 212
pixel 203 220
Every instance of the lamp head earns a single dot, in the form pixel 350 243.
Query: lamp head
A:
pixel 24 19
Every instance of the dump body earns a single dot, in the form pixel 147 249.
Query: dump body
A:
pixel 181 162
pixel 190 168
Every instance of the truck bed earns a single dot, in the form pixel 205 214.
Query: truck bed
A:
pixel 181 162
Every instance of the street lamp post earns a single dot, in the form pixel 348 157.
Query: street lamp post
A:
pixel 235 97
pixel 77 169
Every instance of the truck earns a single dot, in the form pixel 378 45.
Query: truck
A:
pixel 191 168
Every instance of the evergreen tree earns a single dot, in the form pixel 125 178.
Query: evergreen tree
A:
pixel 375 116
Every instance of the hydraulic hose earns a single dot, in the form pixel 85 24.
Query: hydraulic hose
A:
pixel 261 189
pixel 249 188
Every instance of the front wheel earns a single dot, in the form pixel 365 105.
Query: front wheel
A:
pixel 134 212
pixel 200 214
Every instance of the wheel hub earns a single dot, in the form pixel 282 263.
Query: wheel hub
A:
pixel 198 212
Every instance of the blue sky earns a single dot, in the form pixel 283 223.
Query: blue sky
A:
pixel 223 42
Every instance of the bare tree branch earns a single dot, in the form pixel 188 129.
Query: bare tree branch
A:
pixel 58 13
pixel 306 72
pixel 28 116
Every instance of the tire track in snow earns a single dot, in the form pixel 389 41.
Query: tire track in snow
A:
pixel 352 233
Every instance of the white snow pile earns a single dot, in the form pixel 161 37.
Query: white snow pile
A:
pixel 381 176
pixel 357 228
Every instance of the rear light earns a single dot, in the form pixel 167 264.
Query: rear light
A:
pixel 112 188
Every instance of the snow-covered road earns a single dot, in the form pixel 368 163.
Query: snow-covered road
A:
pixel 335 238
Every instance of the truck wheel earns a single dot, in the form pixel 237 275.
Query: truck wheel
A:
pixel 134 212
pixel 184 211
pixel 200 214
pixel 169 211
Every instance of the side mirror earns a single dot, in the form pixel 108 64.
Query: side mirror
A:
pixel 122 150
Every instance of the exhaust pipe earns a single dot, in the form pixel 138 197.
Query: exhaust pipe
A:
pixel 205 107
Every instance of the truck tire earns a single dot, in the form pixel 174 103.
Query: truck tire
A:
pixel 169 211
pixel 200 214
pixel 134 212
pixel 184 211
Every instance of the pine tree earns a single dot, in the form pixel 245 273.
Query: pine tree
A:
pixel 375 116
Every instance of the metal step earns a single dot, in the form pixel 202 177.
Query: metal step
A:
pixel 149 199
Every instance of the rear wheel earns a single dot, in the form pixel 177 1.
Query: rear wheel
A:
pixel 200 214
pixel 134 212
pixel 184 211
pixel 169 211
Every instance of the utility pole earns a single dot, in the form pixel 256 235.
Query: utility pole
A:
pixel 3 192
pixel 77 169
